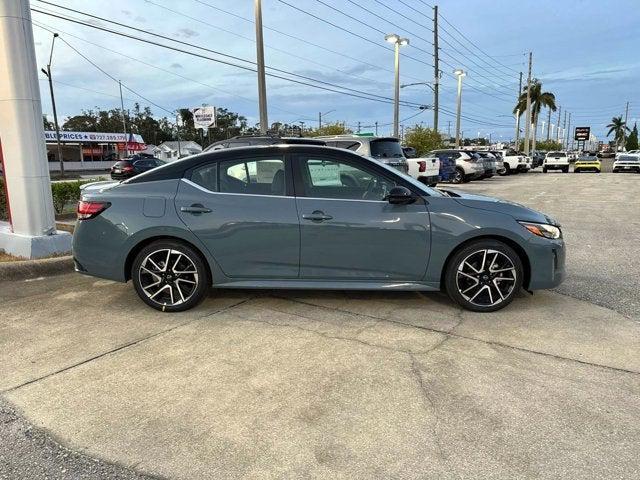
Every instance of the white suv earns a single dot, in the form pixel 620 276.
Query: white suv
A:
pixel 556 161
pixel 468 166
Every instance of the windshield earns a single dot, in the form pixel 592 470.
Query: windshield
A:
pixel 419 185
pixel 386 149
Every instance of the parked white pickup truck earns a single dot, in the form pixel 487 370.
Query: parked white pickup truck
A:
pixel 514 162
pixel 423 169
pixel 556 161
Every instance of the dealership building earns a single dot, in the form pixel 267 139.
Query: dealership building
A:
pixel 90 150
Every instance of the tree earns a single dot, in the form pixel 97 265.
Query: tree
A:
pixel 632 140
pixel 47 124
pixel 539 99
pixel 544 145
pixel 423 139
pixel 619 128
pixel 329 129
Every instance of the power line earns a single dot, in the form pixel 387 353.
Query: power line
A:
pixel 288 35
pixel 402 15
pixel 356 93
pixel 348 31
pixel 389 22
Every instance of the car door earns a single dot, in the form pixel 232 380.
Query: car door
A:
pixel 242 208
pixel 347 230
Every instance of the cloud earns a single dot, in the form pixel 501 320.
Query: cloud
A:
pixel 176 65
pixel 186 33
pixel 126 13
pixel 140 19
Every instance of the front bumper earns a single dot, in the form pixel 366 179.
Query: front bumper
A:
pixel 523 167
pixel 547 262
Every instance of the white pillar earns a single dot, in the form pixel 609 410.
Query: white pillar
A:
pixel 24 152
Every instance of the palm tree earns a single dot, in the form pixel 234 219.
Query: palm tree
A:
pixel 539 99
pixel 619 128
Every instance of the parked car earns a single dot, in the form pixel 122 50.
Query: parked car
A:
pixel 384 149
pixel 447 159
pixel 131 166
pixel 489 162
pixel 537 158
pixel 282 217
pixel 629 162
pixel 255 140
pixel 587 162
pixel 423 169
pixel 556 161
pixel 514 162
pixel 468 166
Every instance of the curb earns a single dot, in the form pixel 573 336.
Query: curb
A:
pixel 22 270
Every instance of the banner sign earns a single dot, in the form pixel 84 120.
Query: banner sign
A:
pixel 582 133
pixel 204 117
pixel 89 137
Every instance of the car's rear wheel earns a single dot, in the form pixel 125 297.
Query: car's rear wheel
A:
pixel 507 169
pixel 484 276
pixel 170 276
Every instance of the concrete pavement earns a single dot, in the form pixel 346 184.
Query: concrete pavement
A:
pixel 300 384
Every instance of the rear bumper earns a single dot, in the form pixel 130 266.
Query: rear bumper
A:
pixel 626 168
pixel 430 179
pixel 555 166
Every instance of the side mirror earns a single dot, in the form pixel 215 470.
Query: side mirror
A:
pixel 400 196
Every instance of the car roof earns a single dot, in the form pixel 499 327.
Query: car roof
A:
pixel 177 168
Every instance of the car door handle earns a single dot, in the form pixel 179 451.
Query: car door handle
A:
pixel 316 216
pixel 195 209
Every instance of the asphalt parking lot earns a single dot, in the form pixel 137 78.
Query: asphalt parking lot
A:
pixel 301 384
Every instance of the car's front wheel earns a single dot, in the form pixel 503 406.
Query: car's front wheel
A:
pixel 170 276
pixel 484 276
pixel 458 176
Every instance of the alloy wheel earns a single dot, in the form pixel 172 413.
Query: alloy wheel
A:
pixel 168 277
pixel 486 278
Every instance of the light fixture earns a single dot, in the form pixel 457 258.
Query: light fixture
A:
pixel 403 41
pixel 391 38
pixel 459 72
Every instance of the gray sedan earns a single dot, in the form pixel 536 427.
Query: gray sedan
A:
pixel 302 216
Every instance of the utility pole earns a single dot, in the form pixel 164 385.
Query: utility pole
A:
pixel 527 127
pixel 449 129
pixel 396 88
pixel 459 73
pixel 53 106
pixel 358 126
pixel 124 121
pixel 549 125
pixel 436 70
pixel 319 120
pixel 262 83
pixel 568 131
pixel 376 124
pixel 558 129
pixel 626 116
pixel 518 112
pixel 564 125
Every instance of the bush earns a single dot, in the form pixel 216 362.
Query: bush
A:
pixel 423 139
pixel 4 214
pixel 64 193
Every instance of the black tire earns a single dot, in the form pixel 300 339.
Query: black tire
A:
pixel 458 176
pixel 544 170
pixel 455 280
pixel 506 169
pixel 173 276
pixel 565 170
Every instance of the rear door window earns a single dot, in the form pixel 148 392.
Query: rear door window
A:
pixel 253 177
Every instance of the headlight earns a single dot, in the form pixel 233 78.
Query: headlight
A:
pixel 543 230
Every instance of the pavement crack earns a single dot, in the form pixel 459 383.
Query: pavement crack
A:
pixel 451 333
pixel 123 347
pixel 331 337
pixel 426 395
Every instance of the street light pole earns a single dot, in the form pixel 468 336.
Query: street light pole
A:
pixel 397 43
pixel 53 107
pixel 527 127
pixel 459 73
pixel 262 84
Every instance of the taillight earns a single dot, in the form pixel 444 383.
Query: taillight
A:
pixel 128 169
pixel 422 166
pixel 88 210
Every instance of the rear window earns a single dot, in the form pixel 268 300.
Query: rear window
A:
pixel 122 163
pixel 386 149
pixel 557 154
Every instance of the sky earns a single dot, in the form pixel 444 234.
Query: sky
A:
pixel 585 52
